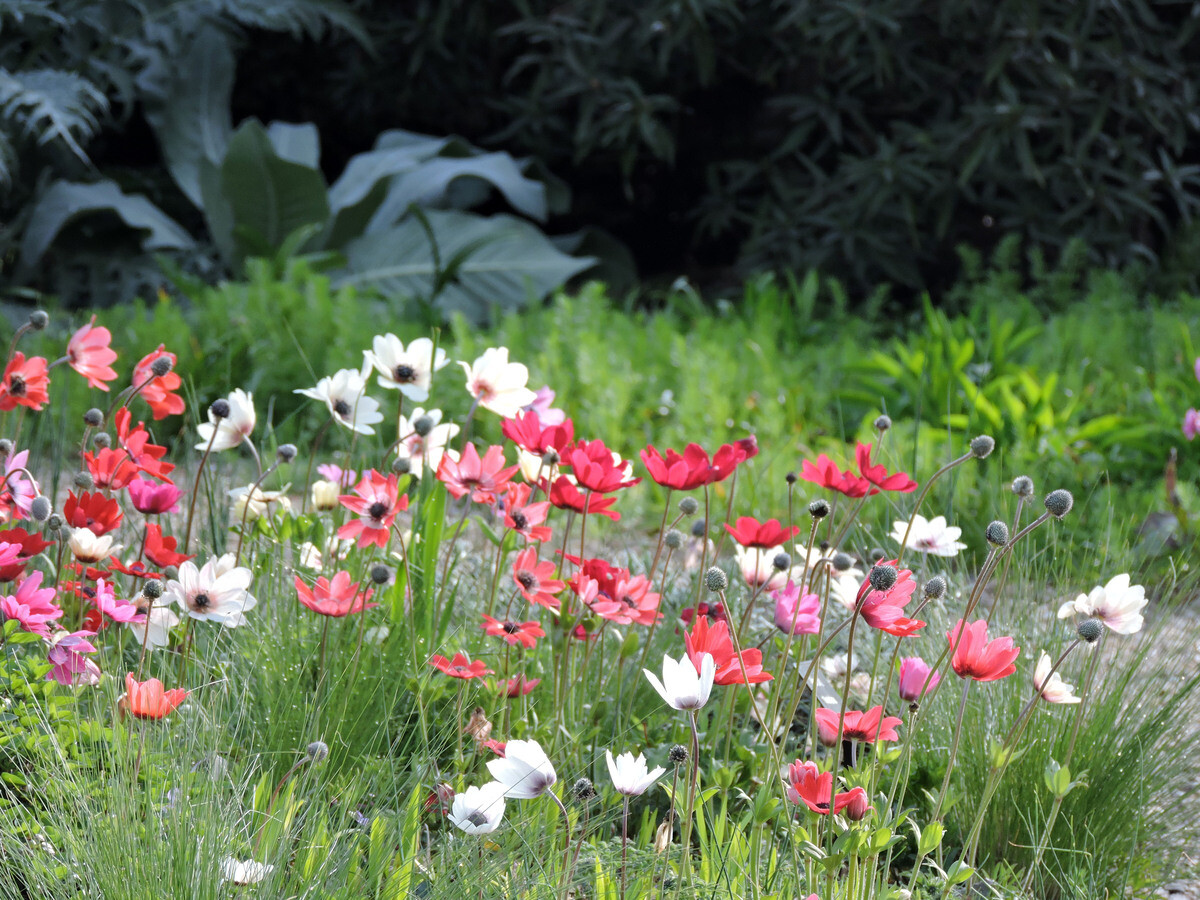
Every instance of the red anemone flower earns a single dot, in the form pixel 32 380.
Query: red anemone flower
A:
pixel 564 494
pixel 807 784
pixel 878 475
pixel 460 667
pixel 146 456
pixel 523 633
pixel 520 686
pixel 89 354
pixel 30 545
pixel 857 726
pixel 336 598
pixel 110 469
pixel 750 532
pixel 595 469
pixel 826 474
pixel 160 549
pixel 526 431
pixel 978 658
pixel 137 568
pixel 148 700
pixel 157 390
pixel 885 609
pixel 483 478
pixel 153 499
pixel 25 382
pixel 715 640
pixel 679 473
pixel 376 501
pixel 536 579
pixel 96 512
pixel 523 517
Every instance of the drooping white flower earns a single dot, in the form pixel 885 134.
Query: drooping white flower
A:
pixel 682 687
pixel 258 501
pixel 215 593
pixel 932 536
pixel 88 547
pixel 1053 690
pixel 234 428
pixel 1117 604
pixel 345 395
pixel 524 771
pixel 408 369
pixel 478 810
pixel 155 632
pixel 244 872
pixel 628 773
pixel 497 384
pixel 424 451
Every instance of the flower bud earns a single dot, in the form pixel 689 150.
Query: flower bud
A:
pixel 39 319
pixel 1022 486
pixel 161 366
pixel 219 408
pixel 101 440
pixel 688 506
pixel 39 509
pixel 782 562
pixel 54 522
pixel 286 453
pixel 819 508
pixel 883 578
pixel 982 446
pixel 790 478
pixel 317 751
pixel 673 539
pixel 858 807
pixel 380 574
pixel 716 580
pixel 93 418
pixel 997 534
pixel 84 481
pixel 843 562
pixel 550 457
pixel 402 465
pixel 325 496
pixel 1090 630
pixel 1059 503
pixel 678 754
pixel 883 423
pixel 152 590
pixel 935 587
pixel 583 790
pixel 698 530
pixel 876 555
pixel 422 425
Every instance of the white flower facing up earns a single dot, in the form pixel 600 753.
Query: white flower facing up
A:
pixel 156 632
pixel 479 809
pixel 215 593
pixel 407 369
pixel 344 393
pixel 524 771
pixel 424 451
pixel 682 687
pixel 1117 604
pixel 1054 690
pixel 932 536
pixel 244 872
pixel 88 548
pixel 498 385
pixel 234 428
pixel 629 775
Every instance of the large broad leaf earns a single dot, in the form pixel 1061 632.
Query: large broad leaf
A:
pixel 66 201
pixel 502 262
pixel 296 143
pixel 188 107
pixel 269 197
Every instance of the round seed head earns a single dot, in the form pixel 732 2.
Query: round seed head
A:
pixel 550 457
pixel 286 453
pixel 883 423
pixel 171 572
pixel 102 440
pixel 317 751
pixel 1090 630
pixel 84 481
pixel 1022 486
pixel 678 754
pixel 39 509
pixel 583 790
pixel 997 534
pixel 39 319
pixel 219 408
pixel 1059 503
pixel 982 446
pixel 819 508
pixel 876 554
pixel 152 590
pixel 423 425
pixel 716 580
pixel 689 506
pixel 782 562
pixel 54 522
pixel 790 477
pixel 883 578
pixel 698 528
pixel 843 562
pixel 935 587
pixel 93 418
pixel 161 366
pixel 673 539
pixel 402 465
pixel 380 574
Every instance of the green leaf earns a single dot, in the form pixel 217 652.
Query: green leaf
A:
pixel 434 184
pixel 300 144
pixel 930 837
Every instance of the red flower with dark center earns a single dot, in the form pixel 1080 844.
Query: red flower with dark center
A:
pixel 878 475
pixel 157 390
pixel 484 478
pixel 160 549
pixel 750 532
pixel 526 432
pixel 376 501
pixel 715 611
pixel 536 580
pixel 885 609
pixel 594 468
pixel 715 640
pixel 460 666
pixel 857 726
pixel 96 512
pixel 523 633
pixel 25 382
pixel 89 354
pixel 110 469
pixel 146 456
pixel 564 494
pixel 336 598
pixel 523 517
pixel 30 546
pixel 826 474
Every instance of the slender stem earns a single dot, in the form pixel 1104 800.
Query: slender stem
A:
pixel 686 835
pixel 662 880
pixel 921 497
pixel 566 885
pixel 624 844
pixel 237 556
pixel 187 535
pixel 662 530
pixel 703 551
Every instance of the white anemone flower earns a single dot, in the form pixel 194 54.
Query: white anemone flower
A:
pixel 1054 690
pixel 682 687
pixel 629 775
pixel 234 428
pixel 498 385
pixel 931 536
pixel 524 771
pixel 479 810
pixel 758 567
pixel 345 395
pixel 244 872
pixel 424 451
pixel 258 501
pixel 1117 604
pixel 156 631
pixel 215 593
pixel 407 369
pixel 88 547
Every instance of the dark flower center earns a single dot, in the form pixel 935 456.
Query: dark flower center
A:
pixel 201 601
pixel 341 407
pixel 511 627
pixel 17 385
pixel 377 509
pixel 405 374
pixel 477 818
pixel 520 521
pixel 526 579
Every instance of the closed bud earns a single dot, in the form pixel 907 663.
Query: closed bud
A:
pixel 935 587
pixel 883 423
pixel 54 522
pixel 790 478
pixel 219 408
pixel 997 534
pixel 883 578
pixel 286 453
pixel 317 751
pixel 402 465
pixel 380 574
pixel 550 457
pixel 325 496
pixel 688 506
pixel 858 807
pixel 161 366
pixel 673 539
pixel 1022 486
pixel 698 528
pixel 819 509
pixel 1059 503
pixel 982 446
pixel 39 509
pixel 843 562
pixel 93 418
pixel 716 580
pixel 152 590
pixel 39 319
pixel 101 440
pixel 84 481
pixel 1090 630
pixel 422 425
pixel 781 563
pixel 876 554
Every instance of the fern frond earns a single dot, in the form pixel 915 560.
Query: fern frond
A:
pixel 52 105
pixel 296 17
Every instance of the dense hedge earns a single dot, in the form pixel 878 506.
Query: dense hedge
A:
pixel 866 138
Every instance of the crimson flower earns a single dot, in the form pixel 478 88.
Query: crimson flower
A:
pixel 885 609
pixel 750 532
pixel 526 431
pixel 88 354
pixel 564 494
pixel 460 667
pixel 153 499
pixel 160 549
pixel 158 389
pixel 536 579
pixel 978 658
pixel 614 594
pixel 679 473
pixel 858 726
pixel 376 501
pixel 715 640
pixel 337 598
pixel 31 605
pixel 96 512
pixel 597 468
pixel 146 456
pixel 484 479
pixel 29 545
pixel 826 474
pixel 24 383
pixel 807 784
pixel 519 687
pixel 523 517
pixel 715 611
pixel 148 700
pixel 137 568
pixel 110 469
pixel 523 633
pixel 878 475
